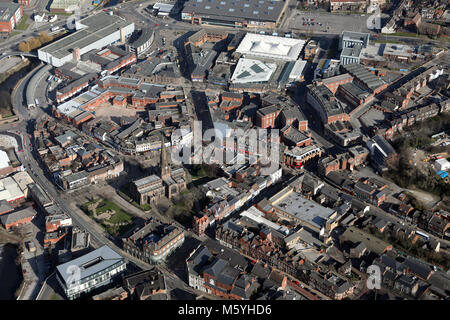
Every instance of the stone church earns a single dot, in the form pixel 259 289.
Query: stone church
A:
pixel 169 182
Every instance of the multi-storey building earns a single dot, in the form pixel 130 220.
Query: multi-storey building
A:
pixel 10 15
pixel 326 104
pixel 154 242
pixel 266 117
pixel 298 156
pixel 90 271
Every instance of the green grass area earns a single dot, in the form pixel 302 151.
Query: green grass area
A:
pixel 55 296
pixel 14 33
pixel 23 25
pixel 408 34
pixel 444 38
pixel 7 114
pixel 119 217
pixel 198 174
pixel 386 41
pixel 354 277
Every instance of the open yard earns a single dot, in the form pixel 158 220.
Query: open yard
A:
pixel 109 215
pixel 114 112
pixel 23 25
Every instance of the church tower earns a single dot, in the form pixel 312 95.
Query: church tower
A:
pixel 164 167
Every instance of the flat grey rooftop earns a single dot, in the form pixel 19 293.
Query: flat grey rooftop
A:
pixel 236 10
pixel 303 209
pixel 98 27
pixel 7 10
pixel 90 264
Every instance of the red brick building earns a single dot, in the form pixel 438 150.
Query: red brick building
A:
pixel 10 15
pixel 266 117
pixel 17 218
pixel 333 83
pixel 52 238
pixel 24 3
pixel 200 225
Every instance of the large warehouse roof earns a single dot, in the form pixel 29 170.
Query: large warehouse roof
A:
pixel 97 27
pixel 271 47
pixel 236 10
pixel 67 5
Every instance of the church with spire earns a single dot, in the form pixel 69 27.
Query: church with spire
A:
pixel 168 182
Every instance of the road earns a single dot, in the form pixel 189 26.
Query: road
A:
pixel 27 157
pixel 98 235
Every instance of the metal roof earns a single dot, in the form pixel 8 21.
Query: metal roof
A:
pixel 96 27
pixel 89 264
pixel 236 10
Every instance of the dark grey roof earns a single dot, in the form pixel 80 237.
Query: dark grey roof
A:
pixel 78 82
pixel 267 110
pixel 134 279
pixel 228 275
pixel 7 10
pixel 260 270
pixel 5 206
pixel 236 10
pixel 196 262
pixel 216 267
pixel 295 136
pixel 418 268
pixel 144 36
pixel 383 144
pixel 17 215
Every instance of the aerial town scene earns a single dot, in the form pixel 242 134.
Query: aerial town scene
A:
pixel 224 150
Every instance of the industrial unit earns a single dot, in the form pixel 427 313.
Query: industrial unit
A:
pixel 93 32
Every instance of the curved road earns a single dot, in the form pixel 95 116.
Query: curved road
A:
pixel 27 157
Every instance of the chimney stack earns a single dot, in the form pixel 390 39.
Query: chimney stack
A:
pixel 76 54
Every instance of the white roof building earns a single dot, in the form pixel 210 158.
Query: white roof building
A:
pixel 271 47
pixel 250 70
pixel 298 70
pixel 164 8
pixel 4 159
pixel 10 190
pixel 442 164
pixel 258 216
pixel 23 179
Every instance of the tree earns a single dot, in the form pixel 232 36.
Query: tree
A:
pixel 5 100
pixel 44 37
pixel 34 43
pixel 24 46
